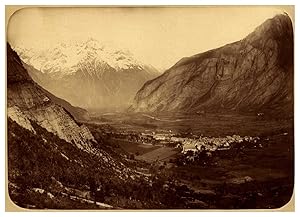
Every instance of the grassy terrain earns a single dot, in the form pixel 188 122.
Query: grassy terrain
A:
pixel 159 154
pixel 40 177
pixel 134 147
pixel 270 167
pixel 254 177
pixel 207 124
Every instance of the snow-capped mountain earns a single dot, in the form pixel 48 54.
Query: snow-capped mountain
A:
pixel 66 58
pixel 89 74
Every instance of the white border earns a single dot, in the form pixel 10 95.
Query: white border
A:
pixel 144 2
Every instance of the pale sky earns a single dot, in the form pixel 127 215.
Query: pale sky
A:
pixel 158 36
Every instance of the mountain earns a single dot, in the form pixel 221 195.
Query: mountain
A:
pixel 88 74
pixel 78 113
pixel 251 75
pixel 51 157
pixel 28 102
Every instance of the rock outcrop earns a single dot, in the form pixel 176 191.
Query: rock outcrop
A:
pixel 27 101
pixel 251 75
pixel 78 113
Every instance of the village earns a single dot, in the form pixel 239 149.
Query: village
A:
pixel 186 142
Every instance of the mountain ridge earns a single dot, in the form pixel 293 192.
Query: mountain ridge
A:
pixel 233 77
pixel 29 106
pixel 77 112
pixel 105 76
pixel 28 102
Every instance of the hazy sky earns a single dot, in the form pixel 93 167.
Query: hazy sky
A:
pixel 159 36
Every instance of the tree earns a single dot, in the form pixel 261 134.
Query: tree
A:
pixel 93 187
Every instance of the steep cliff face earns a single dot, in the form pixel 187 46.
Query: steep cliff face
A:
pixel 27 101
pixel 254 74
pixel 77 112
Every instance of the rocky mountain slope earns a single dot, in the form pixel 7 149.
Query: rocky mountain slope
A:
pixel 78 113
pixel 27 102
pixel 253 74
pixel 47 147
pixel 88 74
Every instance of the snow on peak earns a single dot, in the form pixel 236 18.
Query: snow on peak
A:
pixel 66 58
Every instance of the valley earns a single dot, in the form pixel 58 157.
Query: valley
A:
pixel 94 126
pixel 249 173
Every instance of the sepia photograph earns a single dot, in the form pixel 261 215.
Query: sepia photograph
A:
pixel 150 107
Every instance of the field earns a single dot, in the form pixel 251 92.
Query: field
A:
pixel 147 152
pixel 207 124
pixel 270 170
pixel 134 147
pixel 261 177
pixel 159 154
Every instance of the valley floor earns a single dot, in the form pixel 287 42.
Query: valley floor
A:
pixel 244 162
pixel 259 175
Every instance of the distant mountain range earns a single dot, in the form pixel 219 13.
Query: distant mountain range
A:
pixel 88 74
pixel 254 74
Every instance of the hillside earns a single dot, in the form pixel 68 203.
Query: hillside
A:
pixel 254 74
pixel 47 146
